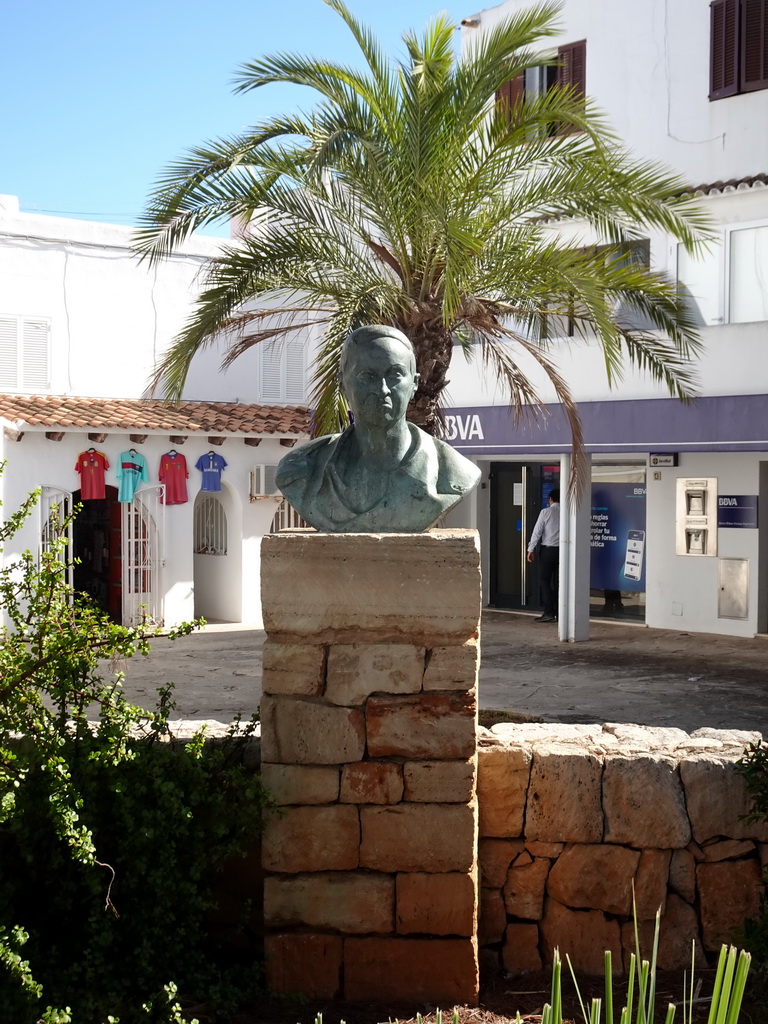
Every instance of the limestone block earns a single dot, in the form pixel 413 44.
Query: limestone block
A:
pixel 524 889
pixel 297 669
pixel 679 927
pixel 520 953
pixel 594 877
pixel 717 798
pixel 436 904
pixel 446 782
pixel 439 726
pixel 583 934
pixel 651 883
pixel 332 587
pixel 493 917
pixel 729 893
pixel 551 850
pixel 496 856
pixel 440 971
pixel 417 837
pixel 727 849
pixel 300 732
pixel 564 797
pixel 453 668
pixel 372 782
pixel 355 671
pixel 643 803
pixel 502 781
pixel 763 848
pixel 682 874
pixel 349 902
pixel 312 839
pixel 523 858
pixel 300 784
pixel 308 965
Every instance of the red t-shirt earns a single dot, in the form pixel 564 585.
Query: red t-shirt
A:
pixel 173 473
pixel 91 465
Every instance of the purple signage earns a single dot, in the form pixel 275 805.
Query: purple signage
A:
pixel 737 511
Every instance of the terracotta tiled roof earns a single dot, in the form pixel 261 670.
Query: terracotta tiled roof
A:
pixel 147 415
pixel 729 185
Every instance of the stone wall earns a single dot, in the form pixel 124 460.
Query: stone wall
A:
pixel 572 816
pixel 369 748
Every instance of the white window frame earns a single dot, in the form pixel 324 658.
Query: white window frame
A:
pixel 23 369
pixel 279 362
pixel 723 270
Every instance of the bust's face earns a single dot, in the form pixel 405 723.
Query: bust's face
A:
pixel 379 381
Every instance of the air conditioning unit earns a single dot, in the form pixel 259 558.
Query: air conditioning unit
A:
pixel 262 483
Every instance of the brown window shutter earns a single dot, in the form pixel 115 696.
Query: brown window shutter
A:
pixel 510 94
pixel 724 48
pixel 572 67
pixel 754 45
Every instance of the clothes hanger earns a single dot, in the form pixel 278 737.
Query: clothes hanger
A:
pixel 133 451
pixel 91 449
pixel 173 452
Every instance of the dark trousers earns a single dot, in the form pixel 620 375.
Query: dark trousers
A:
pixel 550 572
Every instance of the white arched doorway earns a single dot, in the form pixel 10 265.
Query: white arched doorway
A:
pixel 217 554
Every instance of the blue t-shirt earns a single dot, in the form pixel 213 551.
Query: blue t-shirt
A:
pixel 211 466
pixel 131 470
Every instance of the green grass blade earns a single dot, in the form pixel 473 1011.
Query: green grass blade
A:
pixel 630 987
pixel 654 960
pixel 739 984
pixel 727 984
pixel 557 989
pixel 642 991
pixel 670 1014
pixel 714 1005
pixel 608 987
pixel 594 1011
pixel 578 990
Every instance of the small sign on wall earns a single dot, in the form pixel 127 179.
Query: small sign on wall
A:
pixel 657 459
pixel 737 511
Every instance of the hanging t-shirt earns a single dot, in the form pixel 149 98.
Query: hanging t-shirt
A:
pixel 91 465
pixel 131 470
pixel 211 466
pixel 173 473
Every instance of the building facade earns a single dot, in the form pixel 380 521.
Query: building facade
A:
pixel 672 535
pixel 175 498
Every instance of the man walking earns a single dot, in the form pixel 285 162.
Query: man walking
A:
pixel 547 531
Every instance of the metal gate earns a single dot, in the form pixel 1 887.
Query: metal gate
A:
pixel 55 505
pixel 143 548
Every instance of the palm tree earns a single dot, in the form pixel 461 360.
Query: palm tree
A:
pixel 410 196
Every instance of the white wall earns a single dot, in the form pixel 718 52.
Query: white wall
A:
pixel 682 590
pixel 648 69
pixel 35 462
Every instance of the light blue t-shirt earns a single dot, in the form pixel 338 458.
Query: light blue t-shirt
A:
pixel 131 470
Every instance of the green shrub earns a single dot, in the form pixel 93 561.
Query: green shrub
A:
pixel 753 766
pixel 113 836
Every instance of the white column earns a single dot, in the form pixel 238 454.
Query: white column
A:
pixel 575 518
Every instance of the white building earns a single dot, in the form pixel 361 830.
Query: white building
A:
pixel 675 537
pixel 82 323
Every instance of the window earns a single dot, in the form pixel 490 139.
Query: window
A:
pixel 210 526
pixel 728 284
pixel 570 71
pixel 24 354
pixel 738 47
pixel 283 371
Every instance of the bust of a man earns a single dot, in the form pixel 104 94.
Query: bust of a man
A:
pixel 382 474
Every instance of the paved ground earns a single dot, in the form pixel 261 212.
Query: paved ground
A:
pixel 624 673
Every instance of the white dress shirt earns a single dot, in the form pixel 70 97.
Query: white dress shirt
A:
pixel 547 528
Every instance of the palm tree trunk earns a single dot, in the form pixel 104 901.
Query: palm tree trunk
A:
pixel 433 345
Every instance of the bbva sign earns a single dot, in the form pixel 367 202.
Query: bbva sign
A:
pixel 462 428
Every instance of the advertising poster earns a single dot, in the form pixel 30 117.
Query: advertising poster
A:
pixel 618 537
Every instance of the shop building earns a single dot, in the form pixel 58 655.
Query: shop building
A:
pixel 672 534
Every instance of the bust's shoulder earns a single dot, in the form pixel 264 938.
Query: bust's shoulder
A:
pixel 300 461
pixel 456 473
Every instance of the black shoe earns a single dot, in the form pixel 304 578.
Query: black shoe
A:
pixel 546 618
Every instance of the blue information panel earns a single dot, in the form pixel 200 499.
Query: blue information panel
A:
pixel 737 511
pixel 618 537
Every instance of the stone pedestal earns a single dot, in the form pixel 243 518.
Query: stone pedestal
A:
pixel 368 746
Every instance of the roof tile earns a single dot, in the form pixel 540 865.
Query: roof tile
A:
pixel 153 414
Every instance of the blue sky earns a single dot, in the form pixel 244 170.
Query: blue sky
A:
pixel 98 97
